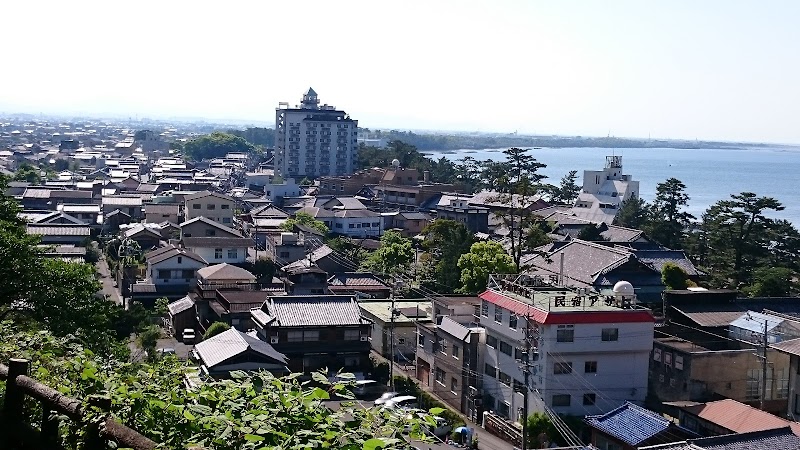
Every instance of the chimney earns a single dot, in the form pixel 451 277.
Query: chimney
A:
pixel 426 176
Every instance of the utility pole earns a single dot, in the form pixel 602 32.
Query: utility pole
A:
pixel 526 370
pixel 391 342
pixel 764 367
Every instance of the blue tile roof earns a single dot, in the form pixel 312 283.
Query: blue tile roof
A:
pixel 629 423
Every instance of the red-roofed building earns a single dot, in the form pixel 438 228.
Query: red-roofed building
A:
pixel 729 416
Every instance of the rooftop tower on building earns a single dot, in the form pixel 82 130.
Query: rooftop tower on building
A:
pixel 604 191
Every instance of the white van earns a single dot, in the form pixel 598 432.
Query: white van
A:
pixel 402 401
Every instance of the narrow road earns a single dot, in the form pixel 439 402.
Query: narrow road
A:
pixel 109 290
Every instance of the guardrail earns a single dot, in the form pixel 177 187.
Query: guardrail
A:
pixel 20 434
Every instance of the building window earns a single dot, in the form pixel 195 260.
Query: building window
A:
pixel 512 321
pixel 498 314
pixel 225 206
pixel 519 354
pixel 491 341
pixel 302 336
pixel 503 409
pixel 180 259
pixel 485 311
pixel 442 344
pixel 284 254
pixel 164 274
pixel 217 253
pixel 678 362
pixel 562 368
pixel 352 225
pixel 519 386
pixel 338 225
pixel 561 400
pixel 421 340
pixel 195 205
pixel 455 351
pixel 590 367
pixel 565 333
pixel 210 233
pixel 504 378
pixel 211 206
pixel 440 376
pixel 454 385
pixel 657 354
pixel 490 370
pixel 753 391
pixel 589 399
pixel 187 274
pixel 610 334
pixel 505 347
pixel 352 335
pixel 226 220
pixel 376 224
pixel 401 341
pixel 233 253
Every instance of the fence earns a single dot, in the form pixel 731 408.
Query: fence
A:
pixel 15 431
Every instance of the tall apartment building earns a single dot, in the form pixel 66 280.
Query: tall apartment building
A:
pixel 313 140
pixel 589 353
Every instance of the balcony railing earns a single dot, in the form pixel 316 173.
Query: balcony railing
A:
pixel 17 433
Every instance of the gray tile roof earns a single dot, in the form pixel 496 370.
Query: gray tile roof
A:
pixel 777 439
pixel 230 343
pixel 212 223
pixel 630 423
pixel 159 255
pixel 181 305
pixel 321 310
pixel 58 230
pixel 359 279
pixel 204 194
pixel 225 271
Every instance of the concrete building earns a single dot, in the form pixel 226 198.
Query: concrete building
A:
pixel 215 206
pixel 407 314
pixel 305 145
pixel 588 354
pixel 604 191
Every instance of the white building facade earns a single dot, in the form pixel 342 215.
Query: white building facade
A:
pixel 313 140
pixel 588 353
pixel 604 191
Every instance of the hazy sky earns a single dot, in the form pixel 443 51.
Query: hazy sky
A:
pixel 684 69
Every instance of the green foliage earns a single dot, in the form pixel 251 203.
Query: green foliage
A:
pixel 148 339
pixel 592 233
pixel 394 255
pixel 307 220
pixel 306 182
pixel 216 145
pixel 162 306
pixel 264 137
pixel 246 412
pixel 667 220
pixel 215 329
pixel 568 190
pixel 441 170
pixel 408 386
pixel 28 173
pixel 542 433
pixel 349 248
pixel 445 242
pixel 484 258
pixel 633 213
pixel 674 277
pixel 262 268
pixel 772 282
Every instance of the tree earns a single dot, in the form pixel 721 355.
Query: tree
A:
pixel 216 145
pixel 568 190
pixel 162 306
pixel 348 248
pixel 592 233
pixel 215 329
pixel 674 277
pixel 668 220
pixel 540 430
pixel 305 219
pixel 393 256
pixel 633 213
pixel 518 185
pixel 148 339
pixel 772 282
pixel 484 258
pixel 445 241
pixel 28 173
pixel 737 233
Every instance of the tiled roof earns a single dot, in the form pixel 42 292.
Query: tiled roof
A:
pixel 583 260
pixel 269 211
pixel 736 416
pixel 360 279
pixel 315 256
pixel 58 230
pixel 630 423
pixel 56 193
pixel 225 271
pixel 791 346
pixel 777 439
pixel 212 223
pixel 657 258
pixel 123 201
pixel 701 316
pixel 226 345
pixel 161 208
pixel 204 194
pixel 216 242
pixel 160 255
pixel 36 193
pixel 181 305
pixel 322 310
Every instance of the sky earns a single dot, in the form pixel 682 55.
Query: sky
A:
pixel 727 70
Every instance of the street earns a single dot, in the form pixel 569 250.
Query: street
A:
pixel 109 289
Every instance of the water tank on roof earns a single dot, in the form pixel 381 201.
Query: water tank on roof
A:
pixel 624 288
pixel 395 163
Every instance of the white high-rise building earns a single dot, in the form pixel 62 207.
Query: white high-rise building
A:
pixel 313 140
pixel 604 191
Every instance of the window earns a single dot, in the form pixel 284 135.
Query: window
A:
pixel 454 385
pixel 678 362
pixel 561 368
pixel 401 341
pixel 589 399
pixel 668 358
pixel 180 259
pixel 505 347
pixel 519 386
pixel 590 367
pixel 365 225
pixel 217 253
pixel 443 346
pixel 211 233
pixel 352 335
pixel 225 206
pixel 186 274
pixel 233 253
pixel 519 354
pixel 164 274
pixel 504 378
pixel 376 224
pixel 440 376
pixel 657 354
pixel 421 340
pixel 485 311
pixel 211 206
pixel 490 370
pixel 498 314
pixel 610 334
pixel 565 333
pixel 338 225
pixel 226 220
pixel 302 336
pixel 561 400
pixel 491 341
pixel 503 409
pixel 455 351
pixel 512 321
pixel 284 254
pixel 352 225
pixel 195 205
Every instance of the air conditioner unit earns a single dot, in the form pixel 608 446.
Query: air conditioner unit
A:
pixel 364 338
pixel 273 340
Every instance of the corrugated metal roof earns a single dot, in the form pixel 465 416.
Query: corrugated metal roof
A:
pixel 736 416
pixel 322 310
pixel 54 230
pixel 232 342
pixel 629 423
pixel 791 346
pixel 181 305
pixel 454 328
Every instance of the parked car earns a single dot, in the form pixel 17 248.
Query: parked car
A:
pixel 365 388
pixel 166 351
pixel 401 401
pixel 385 398
pixel 188 336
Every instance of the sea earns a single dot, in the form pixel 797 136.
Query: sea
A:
pixel 710 175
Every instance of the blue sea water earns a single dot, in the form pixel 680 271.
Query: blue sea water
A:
pixel 710 175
